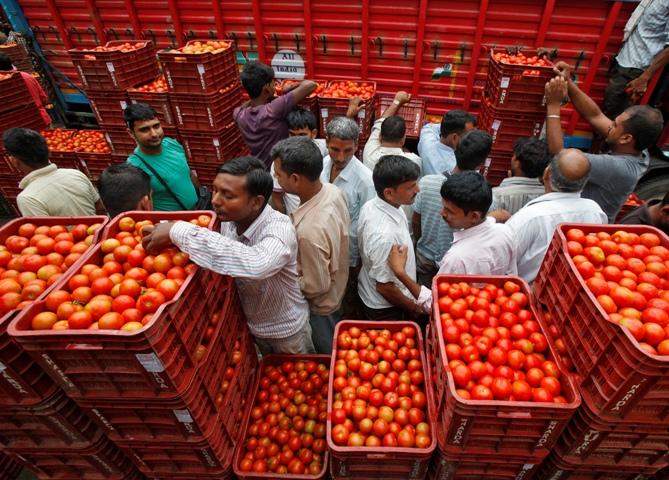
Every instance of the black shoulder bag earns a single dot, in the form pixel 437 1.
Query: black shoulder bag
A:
pixel 203 193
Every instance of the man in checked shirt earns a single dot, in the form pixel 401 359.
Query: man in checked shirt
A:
pixel 257 246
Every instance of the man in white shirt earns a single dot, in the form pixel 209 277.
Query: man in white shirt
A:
pixel 257 246
pixel 388 135
pixel 534 224
pixel 480 245
pixel 322 223
pixel 437 143
pixel 383 225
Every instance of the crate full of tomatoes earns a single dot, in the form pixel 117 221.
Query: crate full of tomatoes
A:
pixel 501 389
pixel 13 92
pixel 311 102
pixel 155 95
pixel 116 65
pixel 607 289
pixel 34 254
pixel 380 409
pixel 334 99
pixel 284 430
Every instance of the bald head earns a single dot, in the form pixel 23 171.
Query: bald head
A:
pixel 569 171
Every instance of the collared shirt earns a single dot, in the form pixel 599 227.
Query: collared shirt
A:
pixel 485 249
pixel 436 236
pixel 264 125
pixel 641 216
pixel 649 37
pixel 612 179
pixel 374 150
pixel 322 225
pixel 435 156
pixel 355 182
pixel 514 192
pixel 263 261
pixel 290 201
pixel 382 226
pixel 534 224
pixel 56 192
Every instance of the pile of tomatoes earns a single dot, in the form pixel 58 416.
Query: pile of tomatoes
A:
pixel 159 85
pixel 520 59
pixel 286 434
pixel 80 141
pixel 348 89
pixel 210 46
pixel 629 275
pixel 123 290
pixel 59 139
pixel 379 397
pixel 320 87
pixel 34 258
pixel 5 76
pixel 124 47
pixel 494 346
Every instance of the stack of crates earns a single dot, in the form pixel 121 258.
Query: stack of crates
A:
pixel 310 103
pixel 512 106
pixel 86 150
pixel 17 109
pixel 19 56
pixel 621 429
pixel 159 394
pixel 106 72
pixel 492 438
pixel 412 112
pixel 204 89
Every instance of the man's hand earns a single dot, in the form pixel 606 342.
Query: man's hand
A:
pixel 556 90
pixel 563 69
pixel 354 106
pixel 157 238
pixel 500 215
pixel 402 97
pixel 397 259
pixel 637 87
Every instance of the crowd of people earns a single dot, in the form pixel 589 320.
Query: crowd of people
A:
pixel 313 234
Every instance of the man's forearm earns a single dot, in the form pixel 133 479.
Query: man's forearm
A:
pixel 408 282
pixel 660 60
pixel 583 104
pixel 394 295
pixel 554 129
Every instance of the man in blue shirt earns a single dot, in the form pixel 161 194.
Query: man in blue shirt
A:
pixel 437 143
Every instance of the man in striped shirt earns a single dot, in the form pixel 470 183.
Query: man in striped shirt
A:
pixel 258 247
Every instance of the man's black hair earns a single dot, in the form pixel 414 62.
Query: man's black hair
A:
pixel 393 170
pixel 300 118
pixel 299 155
pixel 258 180
pixel 122 186
pixel 5 63
pixel 393 129
pixel 455 121
pixel 645 124
pixel 469 191
pixel 138 111
pixel 255 76
pixel 533 155
pixel 473 149
pixel 27 146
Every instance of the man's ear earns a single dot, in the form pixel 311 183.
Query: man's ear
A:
pixel 145 203
pixel 626 139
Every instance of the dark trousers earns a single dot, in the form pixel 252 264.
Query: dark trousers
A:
pixel 616 100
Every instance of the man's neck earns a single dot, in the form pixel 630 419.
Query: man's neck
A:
pixel 654 212
pixel 394 205
pixel 387 144
pixel 243 225
pixel 310 191
pixel 335 170
pixel 625 150
pixel 446 142
pixel 260 100
pixel 151 150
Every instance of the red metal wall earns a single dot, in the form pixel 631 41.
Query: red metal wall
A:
pixel 397 43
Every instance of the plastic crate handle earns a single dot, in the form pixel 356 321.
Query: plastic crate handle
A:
pixel 514 415
pixel 83 346
pixel 377 456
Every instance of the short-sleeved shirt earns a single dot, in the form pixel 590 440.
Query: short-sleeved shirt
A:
pixel 641 216
pixel 56 192
pixel 649 38
pixel 612 179
pixel 436 236
pixel 434 155
pixel 513 193
pixel 264 125
pixel 380 227
pixel 172 166
pixel 355 182
pixel 373 150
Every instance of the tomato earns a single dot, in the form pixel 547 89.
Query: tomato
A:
pixel 80 319
pixel 44 321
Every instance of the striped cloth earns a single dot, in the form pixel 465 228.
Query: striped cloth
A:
pixel 649 38
pixel 263 261
pixel 436 236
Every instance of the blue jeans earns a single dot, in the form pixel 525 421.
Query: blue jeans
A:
pixel 322 330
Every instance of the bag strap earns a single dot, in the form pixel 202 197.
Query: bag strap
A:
pixel 160 179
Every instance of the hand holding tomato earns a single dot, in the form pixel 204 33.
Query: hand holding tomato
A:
pixel 563 69
pixel 354 106
pixel 556 90
pixel 157 239
pixel 402 97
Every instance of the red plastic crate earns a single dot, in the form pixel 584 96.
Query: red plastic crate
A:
pixel 10 466
pixel 120 141
pixel 497 428
pixel 153 362
pixel 623 382
pixel 514 87
pixel 108 107
pixel 215 148
pixel 14 92
pixel 19 56
pixel 199 73
pixel 55 423
pixel 381 462
pixel 470 467
pixel 22 380
pixel 556 467
pixel 329 108
pixel 92 164
pixel 9 188
pixel 274 360
pixel 26 116
pixel 413 114
pixel 207 112
pixel 101 461
pixel 116 70
pixel 507 127
pixel 160 102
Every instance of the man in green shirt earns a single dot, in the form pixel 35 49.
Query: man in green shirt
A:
pixel 161 158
